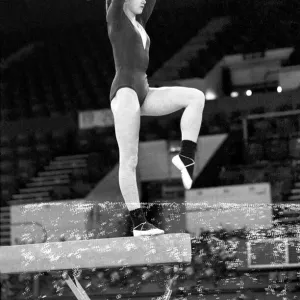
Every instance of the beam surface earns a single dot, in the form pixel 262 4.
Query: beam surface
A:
pixel 97 253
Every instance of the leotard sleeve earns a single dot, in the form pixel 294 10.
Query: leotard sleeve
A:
pixel 148 9
pixel 113 10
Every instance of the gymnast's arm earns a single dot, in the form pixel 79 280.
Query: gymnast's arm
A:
pixel 148 9
pixel 114 9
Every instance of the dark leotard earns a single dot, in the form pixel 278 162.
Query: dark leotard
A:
pixel 130 56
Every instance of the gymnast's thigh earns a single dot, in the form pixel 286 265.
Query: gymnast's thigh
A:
pixel 126 111
pixel 166 100
pixel 125 101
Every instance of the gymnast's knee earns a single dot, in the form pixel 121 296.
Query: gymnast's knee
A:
pixel 129 162
pixel 198 97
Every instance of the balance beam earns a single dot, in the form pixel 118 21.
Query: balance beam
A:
pixel 97 253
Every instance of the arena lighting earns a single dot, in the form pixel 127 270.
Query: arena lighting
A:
pixel 248 92
pixel 210 95
pixel 234 94
pixel 279 89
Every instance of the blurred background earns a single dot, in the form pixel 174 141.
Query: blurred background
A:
pixel 59 155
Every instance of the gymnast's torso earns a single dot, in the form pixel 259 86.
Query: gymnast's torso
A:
pixel 130 44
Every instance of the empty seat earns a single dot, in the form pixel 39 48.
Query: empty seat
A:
pixel 6 114
pixel 22 139
pixel 23 177
pixel 25 169
pixel 255 152
pixel 6 153
pixel 23 152
pixel 285 126
pixel 294 147
pixel 40 137
pixel 5 141
pixel 39 110
pixel 43 154
pixel 84 141
pixel 262 128
pixel 6 167
pixel 43 150
pixel 277 149
pixel 7 181
pixel 60 142
pixel 24 164
pixel 5 196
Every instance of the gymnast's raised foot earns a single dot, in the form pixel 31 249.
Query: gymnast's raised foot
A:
pixel 185 162
pixel 146 229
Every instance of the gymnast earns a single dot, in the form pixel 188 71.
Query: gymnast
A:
pixel 131 97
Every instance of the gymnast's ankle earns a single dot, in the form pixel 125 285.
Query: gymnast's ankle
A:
pixel 137 217
pixel 187 155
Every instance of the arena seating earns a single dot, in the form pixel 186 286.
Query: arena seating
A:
pixel 247 33
pixel 32 154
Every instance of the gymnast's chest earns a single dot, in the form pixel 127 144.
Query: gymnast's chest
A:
pixel 129 38
pixel 135 36
pixel 141 32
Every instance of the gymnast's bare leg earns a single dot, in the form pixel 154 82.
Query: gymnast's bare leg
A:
pixel 126 111
pixel 166 100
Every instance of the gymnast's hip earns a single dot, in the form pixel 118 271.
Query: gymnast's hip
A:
pixel 134 79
